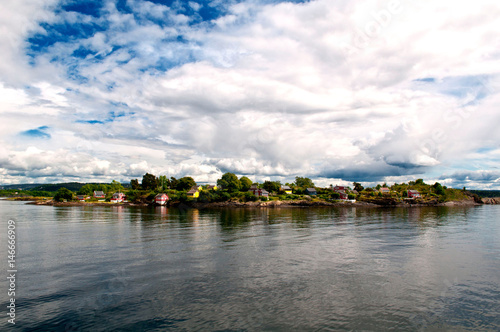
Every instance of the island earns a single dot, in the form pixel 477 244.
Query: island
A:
pixel 231 191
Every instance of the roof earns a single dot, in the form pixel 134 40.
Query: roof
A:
pixel 413 191
pixel 100 193
pixel 385 189
pixel 286 188
pixel 311 189
pixel 160 195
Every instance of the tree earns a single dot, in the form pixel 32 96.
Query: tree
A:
pixel 230 182
pixel 63 194
pixel 116 186
pixel 358 187
pixel 86 189
pixel 163 182
pixel 149 182
pixel 173 182
pixel 303 182
pixel 185 183
pixel 134 184
pixel 272 186
pixel 438 188
pixel 246 183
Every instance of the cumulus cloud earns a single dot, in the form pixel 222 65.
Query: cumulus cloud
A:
pixel 349 91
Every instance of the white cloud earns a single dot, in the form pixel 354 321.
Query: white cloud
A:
pixel 313 89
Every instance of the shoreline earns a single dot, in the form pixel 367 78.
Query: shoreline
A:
pixel 268 204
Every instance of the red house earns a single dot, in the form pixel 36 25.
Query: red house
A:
pixel 414 194
pixel 118 198
pixel 99 194
pixel 161 199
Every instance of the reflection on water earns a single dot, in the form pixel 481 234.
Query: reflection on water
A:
pixel 134 269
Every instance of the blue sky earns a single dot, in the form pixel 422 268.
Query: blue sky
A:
pixel 339 91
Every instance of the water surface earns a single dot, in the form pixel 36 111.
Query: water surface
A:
pixel 274 269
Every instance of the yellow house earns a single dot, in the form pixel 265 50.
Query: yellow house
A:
pixel 286 189
pixel 194 192
pixel 212 187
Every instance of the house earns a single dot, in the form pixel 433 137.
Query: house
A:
pixel 194 192
pixel 414 194
pixel 355 192
pixel 82 198
pixel 343 195
pixel 259 192
pixel 161 199
pixel 118 198
pixel 339 189
pixel 99 194
pixel 212 187
pixel 311 191
pixel 286 189
pixel 384 190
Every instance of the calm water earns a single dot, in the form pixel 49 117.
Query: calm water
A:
pixel 283 269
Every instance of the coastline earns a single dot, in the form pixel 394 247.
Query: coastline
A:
pixel 270 204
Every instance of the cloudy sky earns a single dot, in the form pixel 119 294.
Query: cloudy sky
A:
pixel 335 90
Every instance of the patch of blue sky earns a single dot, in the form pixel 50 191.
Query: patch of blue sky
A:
pixel 38 133
pixel 458 86
pixel 111 116
pixel 83 52
pixel 87 7
pixel 60 33
pixel 486 149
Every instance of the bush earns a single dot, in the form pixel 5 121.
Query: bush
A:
pixel 63 194
pixel 335 196
pixel 249 197
pixel 351 196
pixel 264 199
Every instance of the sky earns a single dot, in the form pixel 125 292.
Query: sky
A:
pixel 338 91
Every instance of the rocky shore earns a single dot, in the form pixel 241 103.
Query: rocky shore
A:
pixel 380 203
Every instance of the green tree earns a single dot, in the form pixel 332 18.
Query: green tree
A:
pixel 246 183
pixel 438 188
pixel 230 182
pixel 149 182
pixel 86 189
pixel 116 186
pixel 63 194
pixel 173 182
pixel 272 186
pixel 185 183
pixel 303 182
pixel 134 184
pixel 163 182
pixel 358 187
pixel 419 181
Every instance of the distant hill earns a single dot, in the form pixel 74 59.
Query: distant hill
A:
pixel 51 187
pixel 486 193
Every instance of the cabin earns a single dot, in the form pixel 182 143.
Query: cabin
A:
pixel 259 192
pixel 118 198
pixel 339 189
pixel 82 198
pixel 311 191
pixel 286 189
pixel 385 190
pixel 194 192
pixel 343 195
pixel 161 199
pixel 414 194
pixel 99 194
